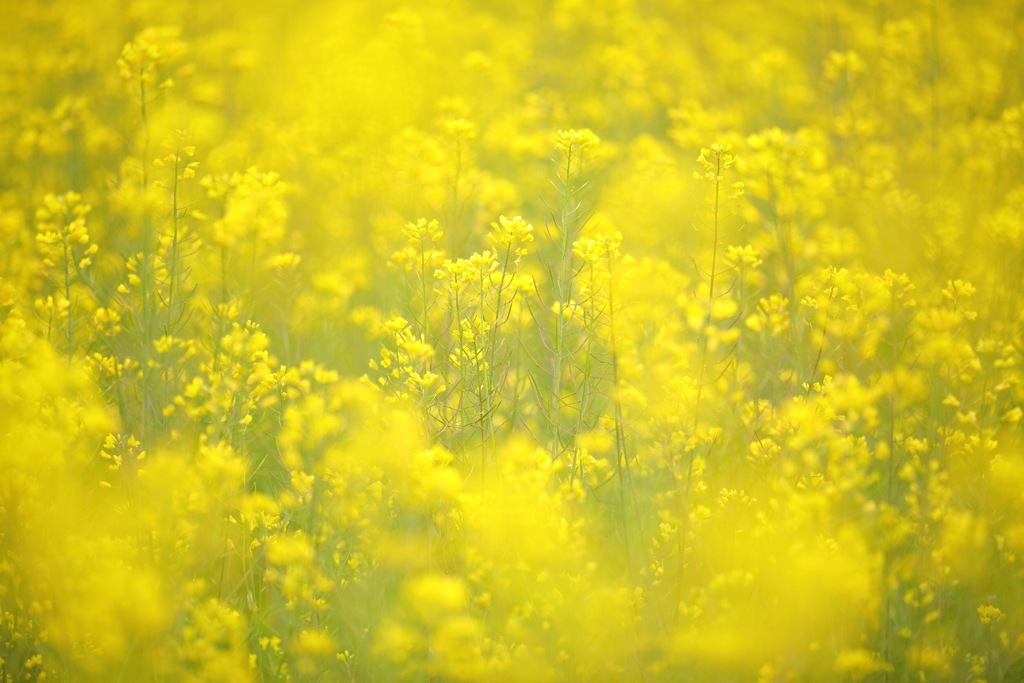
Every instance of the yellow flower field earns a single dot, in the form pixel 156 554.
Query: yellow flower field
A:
pixel 627 340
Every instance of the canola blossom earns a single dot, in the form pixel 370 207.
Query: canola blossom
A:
pixel 631 340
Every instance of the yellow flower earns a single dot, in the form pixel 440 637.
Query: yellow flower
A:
pixel 574 142
pixel 433 596
pixel 512 233
pixel 989 613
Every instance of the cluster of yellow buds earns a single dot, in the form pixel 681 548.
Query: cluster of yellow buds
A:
pixel 61 231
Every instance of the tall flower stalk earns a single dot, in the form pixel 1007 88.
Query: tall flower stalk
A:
pixel 573 146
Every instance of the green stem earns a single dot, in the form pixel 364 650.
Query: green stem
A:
pixel 68 255
pixel 711 293
pixel 174 267
pixel 621 455
pixel 564 294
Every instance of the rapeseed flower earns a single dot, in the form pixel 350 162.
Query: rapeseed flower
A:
pixel 617 422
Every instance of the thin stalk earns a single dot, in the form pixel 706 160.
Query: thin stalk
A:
pixel 146 268
pixel 460 415
pixel 711 293
pixel 174 270
pixel 684 511
pixel 425 330
pixel 485 397
pixel 68 255
pixel 892 459
pixel 583 391
pixel 621 454
pixel 456 207
pixel 564 294
pixel 824 334
pixel 145 129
